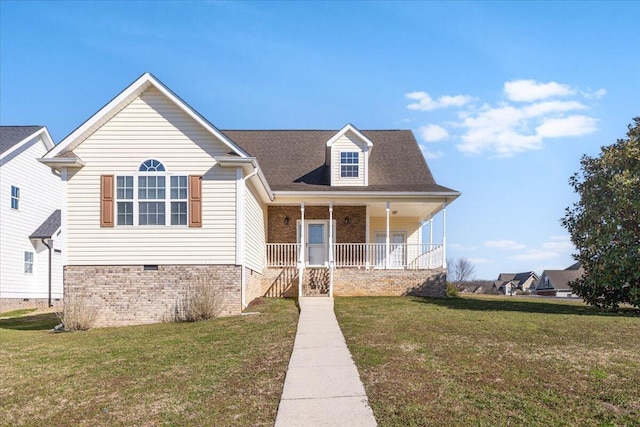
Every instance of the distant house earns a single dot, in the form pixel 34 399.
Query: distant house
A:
pixel 556 282
pixel 30 202
pixel 509 283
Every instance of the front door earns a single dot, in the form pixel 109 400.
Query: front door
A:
pixel 396 249
pixel 316 244
pixel 316 249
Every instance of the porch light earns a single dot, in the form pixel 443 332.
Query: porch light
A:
pixel 286 220
pixel 346 220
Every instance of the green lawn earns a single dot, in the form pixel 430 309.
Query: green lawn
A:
pixel 222 372
pixel 494 361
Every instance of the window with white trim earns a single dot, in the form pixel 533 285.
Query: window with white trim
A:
pixel 144 199
pixel 28 262
pixel 349 164
pixel 15 197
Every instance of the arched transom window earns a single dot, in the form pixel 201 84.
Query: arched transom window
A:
pixel 151 195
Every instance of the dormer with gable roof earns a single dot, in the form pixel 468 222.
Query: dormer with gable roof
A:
pixel 347 156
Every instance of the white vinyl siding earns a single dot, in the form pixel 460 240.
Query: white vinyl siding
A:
pixel 348 143
pixel 255 232
pixel 151 127
pixel 40 194
pixel 408 225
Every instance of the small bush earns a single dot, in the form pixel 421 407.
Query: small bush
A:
pixel 77 315
pixel 202 302
pixel 452 291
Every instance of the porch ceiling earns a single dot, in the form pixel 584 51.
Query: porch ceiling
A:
pixel 398 209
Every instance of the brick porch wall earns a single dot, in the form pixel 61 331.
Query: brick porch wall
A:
pixel 354 232
pixel 373 282
pixel 129 295
pixel 10 304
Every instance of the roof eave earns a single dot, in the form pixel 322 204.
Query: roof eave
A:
pixel 57 163
pixel 46 138
pixel 248 164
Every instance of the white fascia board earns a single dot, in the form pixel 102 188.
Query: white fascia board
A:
pixel 450 195
pixel 249 164
pixel 64 162
pixel 123 99
pixel 42 133
pixel 347 128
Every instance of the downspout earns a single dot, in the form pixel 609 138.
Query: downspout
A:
pixel 243 278
pixel 44 242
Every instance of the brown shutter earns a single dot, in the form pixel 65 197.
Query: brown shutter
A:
pixel 106 201
pixel 195 201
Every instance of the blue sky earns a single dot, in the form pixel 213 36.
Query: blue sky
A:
pixel 504 97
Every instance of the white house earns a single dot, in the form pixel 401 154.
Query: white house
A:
pixel 156 199
pixel 30 201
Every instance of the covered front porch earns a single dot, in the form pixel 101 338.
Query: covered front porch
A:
pixel 314 245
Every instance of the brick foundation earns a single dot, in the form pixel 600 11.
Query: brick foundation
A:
pixel 129 295
pixel 361 282
pixel 253 285
pixel 10 304
pixel 373 282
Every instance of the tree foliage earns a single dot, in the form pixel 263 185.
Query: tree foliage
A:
pixel 460 270
pixel 605 223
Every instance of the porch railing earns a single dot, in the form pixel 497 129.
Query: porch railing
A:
pixel 282 254
pixel 368 255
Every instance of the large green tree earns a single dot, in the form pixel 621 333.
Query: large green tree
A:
pixel 605 223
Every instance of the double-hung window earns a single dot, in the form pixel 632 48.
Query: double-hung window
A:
pixel 153 197
pixel 28 262
pixel 15 197
pixel 349 163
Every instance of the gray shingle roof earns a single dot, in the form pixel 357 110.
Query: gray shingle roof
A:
pixel 559 279
pixel 11 135
pixel 48 227
pixel 294 160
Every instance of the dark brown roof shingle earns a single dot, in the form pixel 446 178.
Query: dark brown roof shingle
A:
pixel 294 160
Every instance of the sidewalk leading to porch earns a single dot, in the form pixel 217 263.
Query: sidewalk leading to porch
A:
pixel 322 386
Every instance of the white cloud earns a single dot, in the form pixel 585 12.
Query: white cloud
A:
pixel 460 247
pixel 529 115
pixel 480 261
pixel 558 244
pixel 535 254
pixel 431 154
pixel 510 245
pixel 426 103
pixel 432 133
pixel 595 95
pixel 530 90
pixel 567 126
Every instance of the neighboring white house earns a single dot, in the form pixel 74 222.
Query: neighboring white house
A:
pixel 30 201
pixel 510 283
pixel 158 200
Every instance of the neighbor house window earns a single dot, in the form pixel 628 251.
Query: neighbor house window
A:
pixel 15 197
pixel 349 162
pixel 28 262
pixel 146 200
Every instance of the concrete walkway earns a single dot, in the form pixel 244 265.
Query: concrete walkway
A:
pixel 322 386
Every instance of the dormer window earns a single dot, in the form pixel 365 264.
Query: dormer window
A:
pixel 349 164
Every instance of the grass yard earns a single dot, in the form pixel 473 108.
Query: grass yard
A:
pixel 223 372
pixel 494 361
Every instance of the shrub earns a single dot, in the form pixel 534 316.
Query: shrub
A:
pixel 77 315
pixel 452 291
pixel 202 301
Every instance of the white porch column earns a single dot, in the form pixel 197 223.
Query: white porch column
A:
pixel 387 241
pixel 444 235
pixel 302 253
pixel 331 260
pixel 431 242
